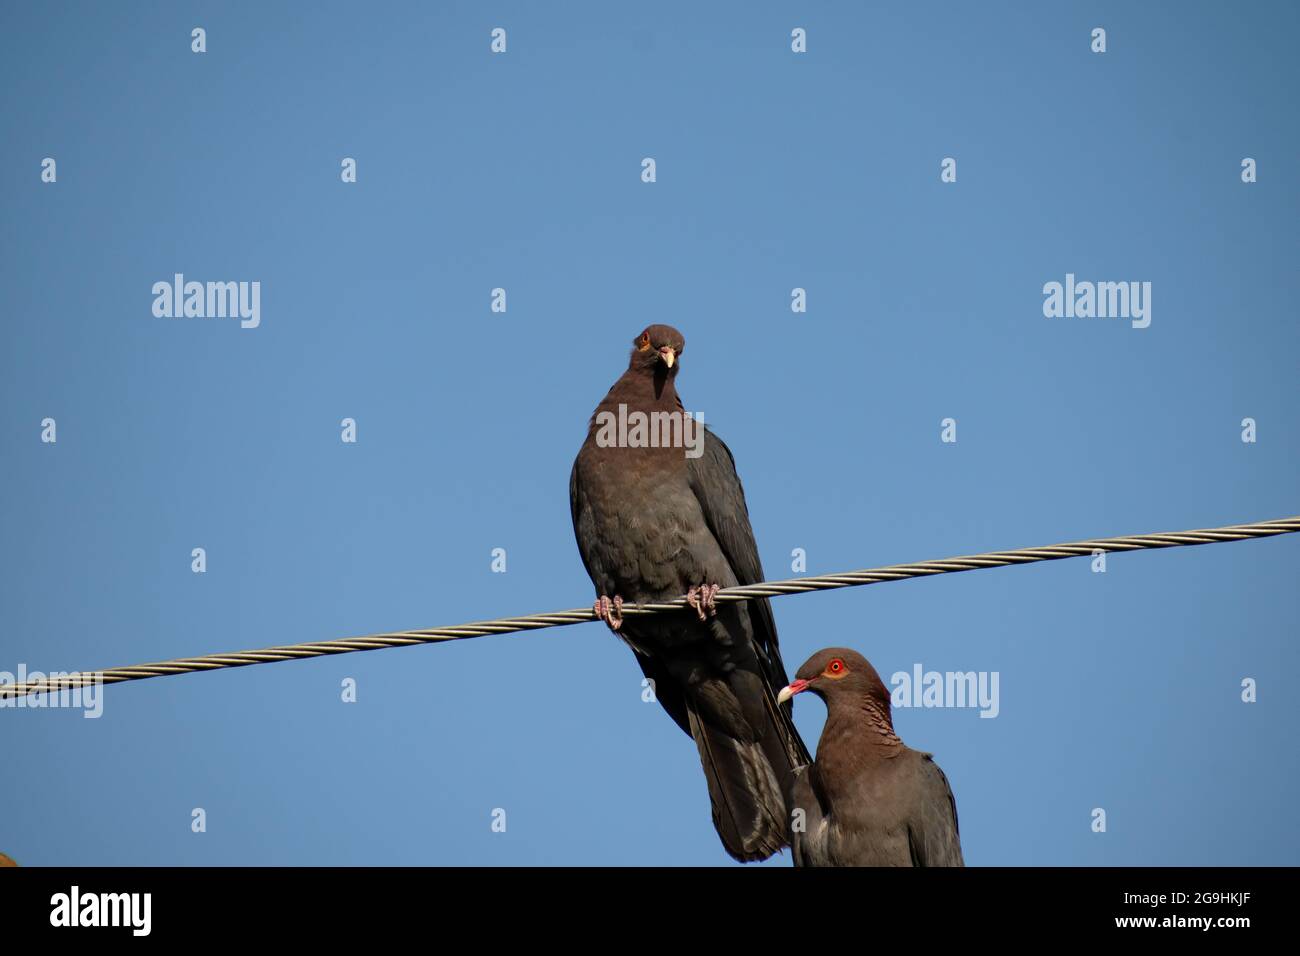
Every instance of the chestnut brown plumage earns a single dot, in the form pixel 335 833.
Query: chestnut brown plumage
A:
pixel 868 799
pixel 652 524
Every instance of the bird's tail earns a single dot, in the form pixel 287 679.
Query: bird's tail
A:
pixel 748 761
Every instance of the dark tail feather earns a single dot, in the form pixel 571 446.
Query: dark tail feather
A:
pixel 748 771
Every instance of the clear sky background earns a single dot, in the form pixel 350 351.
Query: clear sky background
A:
pixel 775 170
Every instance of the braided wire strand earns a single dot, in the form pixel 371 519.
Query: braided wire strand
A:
pixel 583 615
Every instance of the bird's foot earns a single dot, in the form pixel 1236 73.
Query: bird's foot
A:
pixel 701 598
pixel 611 612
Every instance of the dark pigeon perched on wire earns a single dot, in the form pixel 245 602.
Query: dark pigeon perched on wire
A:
pixel 653 523
pixel 868 799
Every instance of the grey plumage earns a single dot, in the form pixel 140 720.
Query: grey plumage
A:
pixel 652 523
pixel 868 799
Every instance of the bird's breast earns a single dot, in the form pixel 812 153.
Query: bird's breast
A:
pixel 646 534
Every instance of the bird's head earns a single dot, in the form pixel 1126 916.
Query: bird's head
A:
pixel 658 349
pixel 837 672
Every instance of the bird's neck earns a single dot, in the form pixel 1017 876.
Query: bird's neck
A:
pixel 644 389
pixel 858 732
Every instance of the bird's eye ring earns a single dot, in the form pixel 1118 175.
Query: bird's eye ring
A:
pixel 836 666
pixel 645 341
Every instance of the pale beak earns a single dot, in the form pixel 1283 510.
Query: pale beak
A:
pixel 790 690
pixel 668 355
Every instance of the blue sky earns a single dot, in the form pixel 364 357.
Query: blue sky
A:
pixel 522 171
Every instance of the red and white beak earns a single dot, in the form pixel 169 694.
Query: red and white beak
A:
pixel 668 354
pixel 789 690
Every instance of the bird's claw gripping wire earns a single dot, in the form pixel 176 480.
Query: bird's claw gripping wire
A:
pixel 702 599
pixel 611 612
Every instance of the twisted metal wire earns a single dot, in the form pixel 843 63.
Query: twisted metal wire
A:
pixel 582 615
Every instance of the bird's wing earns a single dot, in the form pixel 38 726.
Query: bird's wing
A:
pixel 576 507
pixel 932 833
pixel 807 820
pixel 580 511
pixel 717 487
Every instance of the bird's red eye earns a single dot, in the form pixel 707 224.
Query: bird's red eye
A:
pixel 645 341
pixel 836 666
